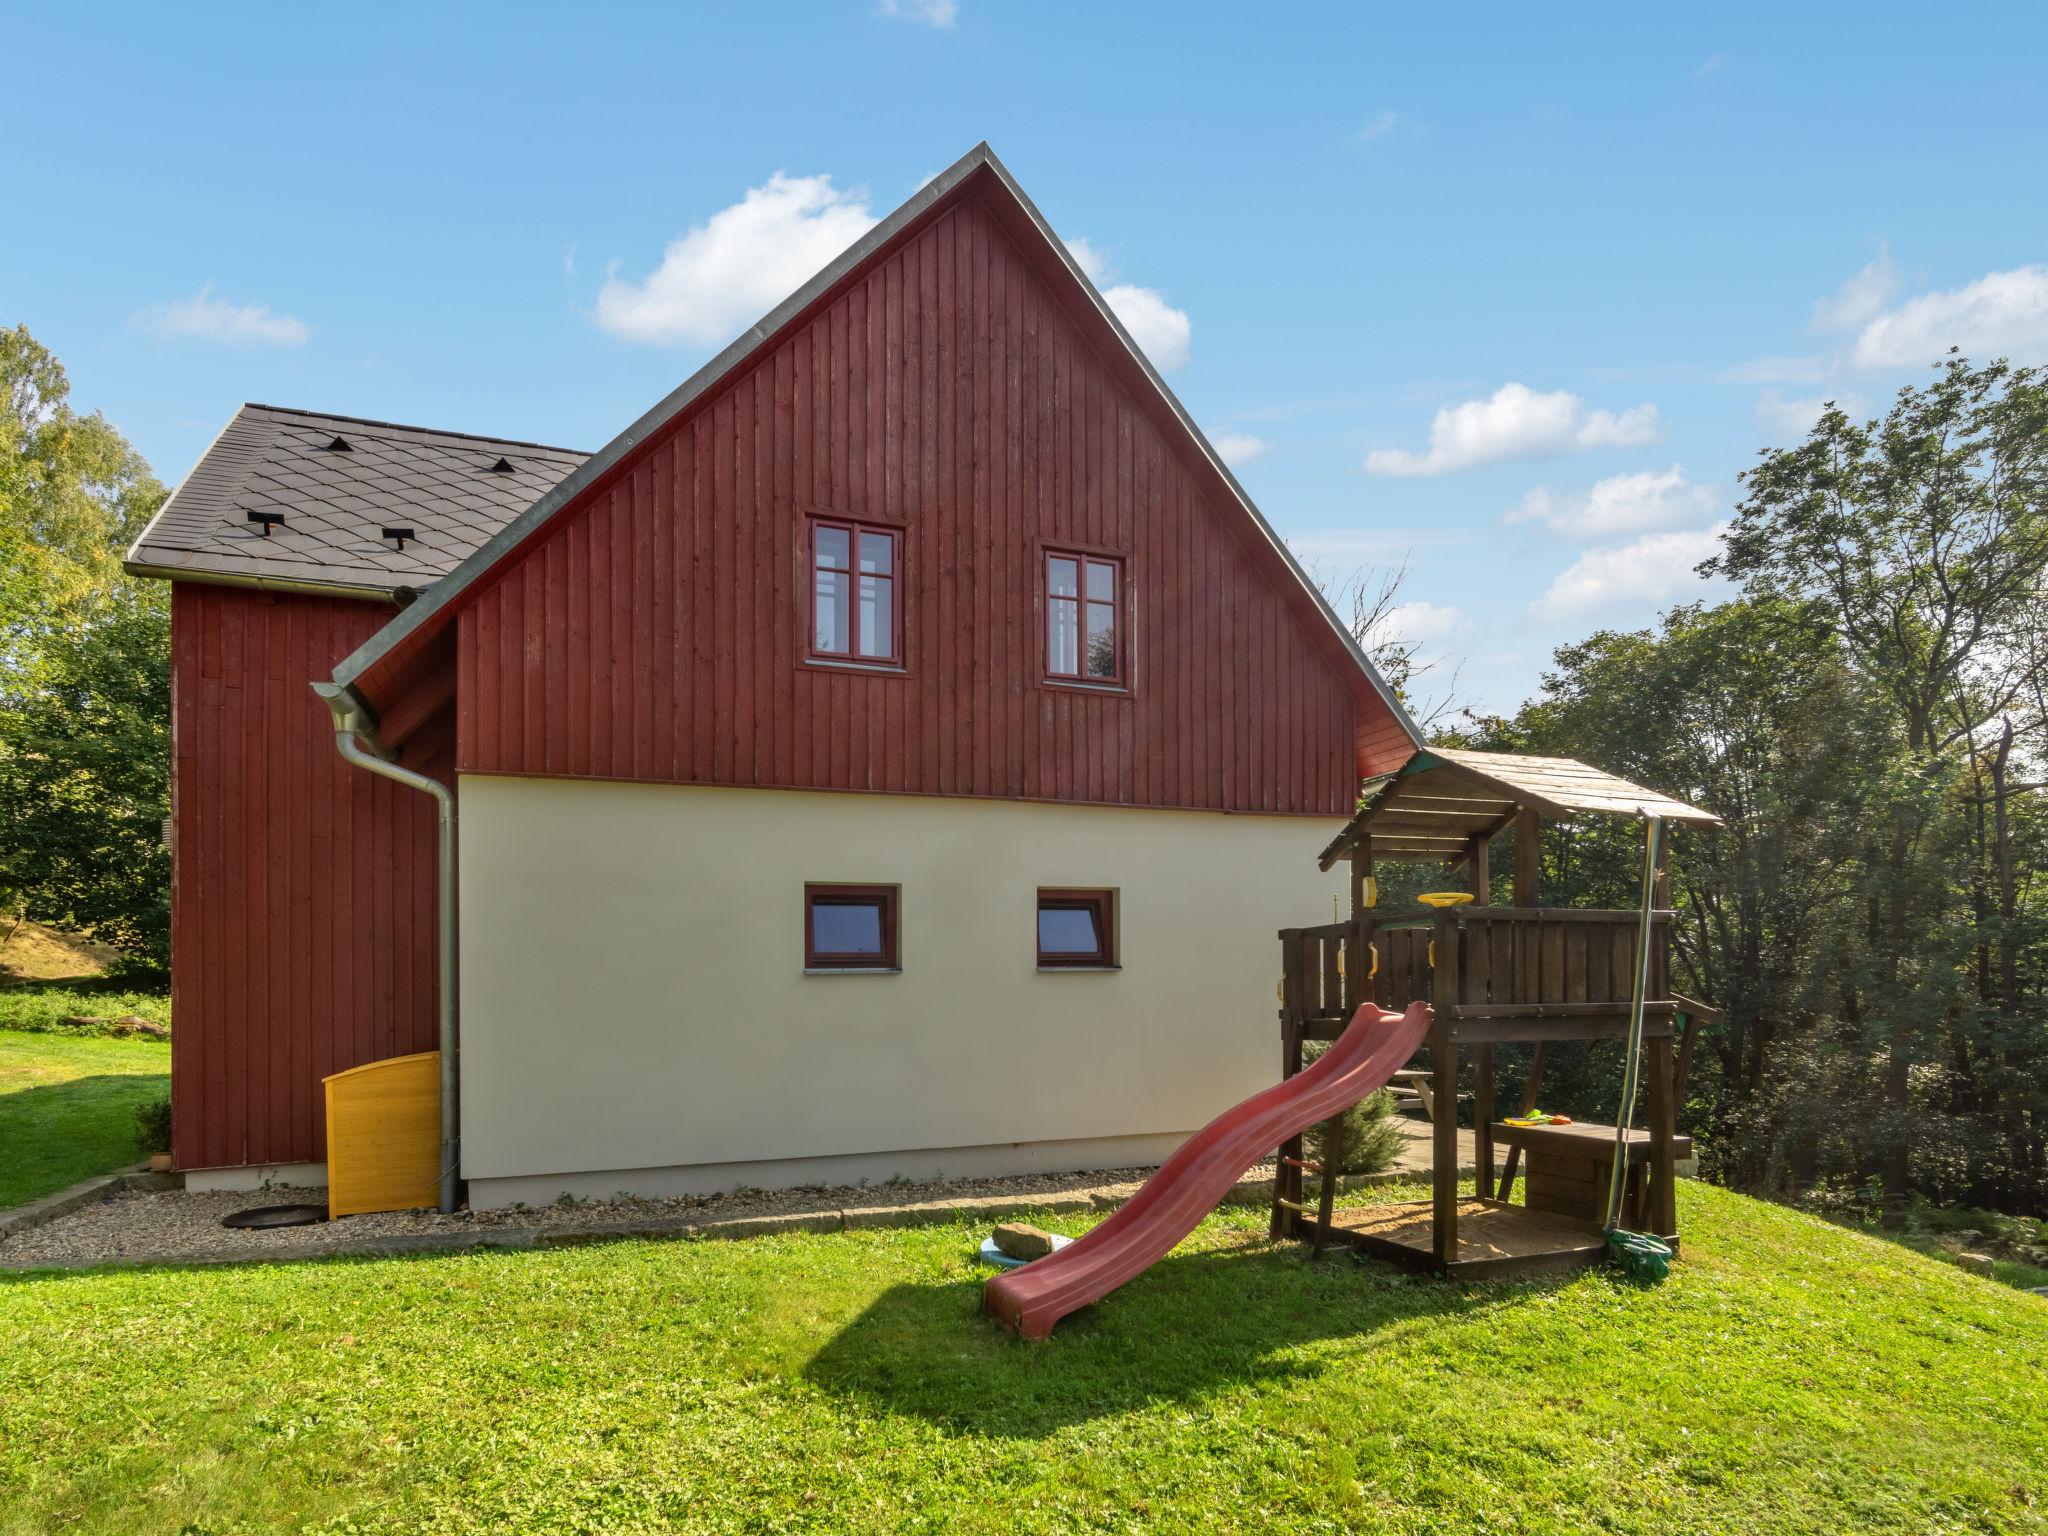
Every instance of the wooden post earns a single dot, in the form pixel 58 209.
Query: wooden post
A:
pixel 1663 1127
pixel 1364 986
pixel 1287 1180
pixel 1443 1173
pixel 1482 871
pixel 1482 1119
pixel 1528 857
pixel 1507 1177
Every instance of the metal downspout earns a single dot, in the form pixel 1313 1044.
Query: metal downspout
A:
pixel 354 724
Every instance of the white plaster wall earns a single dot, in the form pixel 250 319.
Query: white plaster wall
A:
pixel 634 998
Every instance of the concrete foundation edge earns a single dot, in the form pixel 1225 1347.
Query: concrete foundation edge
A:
pixel 922 1165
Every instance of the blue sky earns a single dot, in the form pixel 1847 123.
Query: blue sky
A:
pixel 1512 293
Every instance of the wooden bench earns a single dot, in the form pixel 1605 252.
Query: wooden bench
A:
pixel 1569 1167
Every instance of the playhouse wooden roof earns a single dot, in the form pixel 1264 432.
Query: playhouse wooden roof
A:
pixel 1446 796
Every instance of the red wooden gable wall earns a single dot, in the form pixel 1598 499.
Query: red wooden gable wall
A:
pixel 302 902
pixel 656 631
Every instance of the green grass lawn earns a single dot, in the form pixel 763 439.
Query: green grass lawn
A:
pixel 1791 1376
pixel 67 1108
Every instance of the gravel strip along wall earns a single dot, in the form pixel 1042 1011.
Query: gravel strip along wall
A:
pixel 183 1227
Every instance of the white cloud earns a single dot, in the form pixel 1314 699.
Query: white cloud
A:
pixel 1516 422
pixel 204 317
pixel 569 259
pixel 1651 572
pixel 1617 505
pixel 1712 64
pixel 1155 325
pixel 1092 259
pixel 1861 299
pixel 1790 418
pixel 1419 624
pixel 1238 447
pixel 1162 331
pixel 2002 314
pixel 738 264
pixel 933 13
pixel 1382 124
pixel 1374 546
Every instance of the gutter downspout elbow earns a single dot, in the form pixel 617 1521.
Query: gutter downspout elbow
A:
pixel 354 724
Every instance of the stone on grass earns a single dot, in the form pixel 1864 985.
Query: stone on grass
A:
pixel 1021 1240
pixel 1975 1263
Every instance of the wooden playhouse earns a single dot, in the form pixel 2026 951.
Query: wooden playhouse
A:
pixel 1495 975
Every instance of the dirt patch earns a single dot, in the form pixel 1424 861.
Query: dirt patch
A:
pixel 184 1226
pixel 32 952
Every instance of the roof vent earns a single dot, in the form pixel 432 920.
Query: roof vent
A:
pixel 339 445
pixel 267 521
pixel 400 534
pixel 502 467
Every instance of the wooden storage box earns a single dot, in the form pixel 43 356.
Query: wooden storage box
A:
pixel 384 1135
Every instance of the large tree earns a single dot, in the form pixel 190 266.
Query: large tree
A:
pixel 1918 544
pixel 84 687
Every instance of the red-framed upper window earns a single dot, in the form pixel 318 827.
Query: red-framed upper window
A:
pixel 856 608
pixel 1084 618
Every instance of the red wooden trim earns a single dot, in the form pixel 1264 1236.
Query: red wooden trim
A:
pixel 1102 903
pixel 854 528
pixel 888 897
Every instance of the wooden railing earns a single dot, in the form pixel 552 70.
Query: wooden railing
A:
pixel 1527 963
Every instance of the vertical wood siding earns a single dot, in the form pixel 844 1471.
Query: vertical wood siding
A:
pixel 302 906
pixel 656 631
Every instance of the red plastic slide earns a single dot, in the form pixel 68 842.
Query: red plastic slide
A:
pixel 1190 1183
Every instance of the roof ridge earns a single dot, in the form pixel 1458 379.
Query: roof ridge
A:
pixel 404 426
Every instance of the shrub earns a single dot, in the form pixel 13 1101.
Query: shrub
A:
pixel 153 1121
pixel 1367 1139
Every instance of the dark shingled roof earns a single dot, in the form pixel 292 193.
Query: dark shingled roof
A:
pixel 336 504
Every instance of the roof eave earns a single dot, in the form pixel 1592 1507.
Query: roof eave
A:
pixel 1215 459
pixel 607 458
pixel 423 613
pixel 151 570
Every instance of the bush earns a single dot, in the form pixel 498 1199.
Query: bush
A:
pixel 95 1005
pixel 153 1121
pixel 1367 1139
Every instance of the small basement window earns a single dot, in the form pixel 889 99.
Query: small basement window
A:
pixel 850 928
pixel 1076 930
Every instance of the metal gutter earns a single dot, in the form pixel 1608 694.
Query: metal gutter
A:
pixel 260 583
pixel 355 725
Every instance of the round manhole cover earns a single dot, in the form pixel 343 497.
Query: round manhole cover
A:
pixel 277 1216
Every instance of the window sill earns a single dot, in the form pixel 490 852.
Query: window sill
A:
pixel 1077 685
pixel 853 970
pixel 873 668
pixel 1079 970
